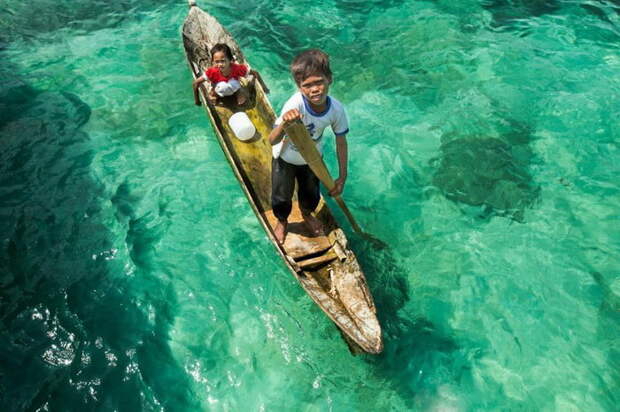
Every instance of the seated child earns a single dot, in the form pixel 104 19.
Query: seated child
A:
pixel 312 105
pixel 224 75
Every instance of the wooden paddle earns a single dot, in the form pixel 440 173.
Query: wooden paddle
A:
pixel 299 135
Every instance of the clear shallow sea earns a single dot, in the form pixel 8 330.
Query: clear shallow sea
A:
pixel 485 150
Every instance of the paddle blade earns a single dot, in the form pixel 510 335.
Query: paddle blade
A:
pixel 307 148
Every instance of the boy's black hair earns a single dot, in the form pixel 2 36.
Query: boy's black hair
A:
pixel 221 47
pixel 310 62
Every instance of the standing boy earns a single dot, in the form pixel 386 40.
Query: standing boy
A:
pixel 312 105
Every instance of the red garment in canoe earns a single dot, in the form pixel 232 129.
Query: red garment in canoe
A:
pixel 215 75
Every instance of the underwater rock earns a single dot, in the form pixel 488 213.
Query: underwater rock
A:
pixel 484 172
pixel 505 12
pixel 65 110
pixel 15 94
pixel 27 20
pixel 597 10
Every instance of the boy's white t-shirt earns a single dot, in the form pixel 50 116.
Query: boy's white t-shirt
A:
pixel 334 116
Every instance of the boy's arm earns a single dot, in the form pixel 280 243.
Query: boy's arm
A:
pixel 196 85
pixel 342 154
pixel 277 134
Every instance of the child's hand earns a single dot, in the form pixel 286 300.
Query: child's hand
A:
pixel 338 187
pixel 291 117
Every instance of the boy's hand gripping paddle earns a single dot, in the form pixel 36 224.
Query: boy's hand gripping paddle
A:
pixel 298 134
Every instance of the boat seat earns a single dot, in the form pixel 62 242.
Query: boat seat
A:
pixel 313 262
pixel 299 242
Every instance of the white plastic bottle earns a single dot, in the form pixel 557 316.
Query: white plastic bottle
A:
pixel 242 126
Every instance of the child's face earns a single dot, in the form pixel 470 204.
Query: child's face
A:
pixel 315 89
pixel 221 62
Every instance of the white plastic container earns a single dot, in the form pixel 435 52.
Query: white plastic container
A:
pixel 242 126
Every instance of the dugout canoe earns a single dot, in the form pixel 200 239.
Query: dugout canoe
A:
pixel 325 266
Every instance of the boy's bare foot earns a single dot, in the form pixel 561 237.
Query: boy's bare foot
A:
pixel 314 224
pixel 280 232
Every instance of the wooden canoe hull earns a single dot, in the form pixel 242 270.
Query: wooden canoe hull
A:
pixel 324 265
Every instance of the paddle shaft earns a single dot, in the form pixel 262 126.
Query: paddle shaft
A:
pixel 298 134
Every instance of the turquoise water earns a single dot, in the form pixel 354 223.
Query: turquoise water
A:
pixel 484 151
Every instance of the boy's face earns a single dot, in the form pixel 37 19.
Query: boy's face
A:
pixel 315 89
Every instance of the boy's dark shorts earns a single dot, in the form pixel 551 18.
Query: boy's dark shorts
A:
pixel 283 176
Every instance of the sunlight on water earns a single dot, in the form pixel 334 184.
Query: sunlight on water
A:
pixel 484 149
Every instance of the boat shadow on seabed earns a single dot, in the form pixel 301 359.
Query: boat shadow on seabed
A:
pixel 413 344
